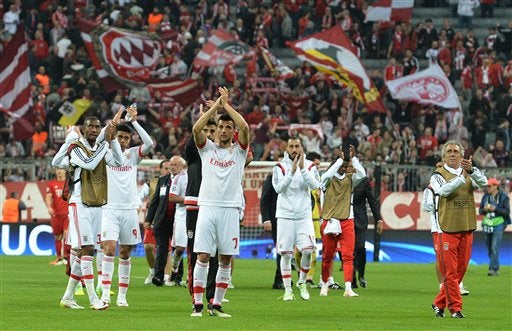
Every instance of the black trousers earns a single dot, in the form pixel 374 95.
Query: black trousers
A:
pixel 278 279
pixel 359 252
pixel 163 235
pixel 192 258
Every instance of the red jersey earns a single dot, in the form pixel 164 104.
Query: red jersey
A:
pixel 60 207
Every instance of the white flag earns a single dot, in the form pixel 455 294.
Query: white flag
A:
pixel 429 86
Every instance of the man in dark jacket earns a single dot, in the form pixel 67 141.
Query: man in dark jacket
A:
pixel 362 193
pixel 268 203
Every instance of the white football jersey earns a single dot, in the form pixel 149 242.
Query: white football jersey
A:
pixel 178 188
pixel 122 182
pixel 222 171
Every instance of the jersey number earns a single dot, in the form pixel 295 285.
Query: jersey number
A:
pixel 236 242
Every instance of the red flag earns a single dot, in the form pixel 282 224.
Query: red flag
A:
pixel 331 52
pixel 429 86
pixel 125 58
pixel 15 97
pixel 222 48
pixel 390 10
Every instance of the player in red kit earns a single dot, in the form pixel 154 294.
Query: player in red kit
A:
pixel 58 210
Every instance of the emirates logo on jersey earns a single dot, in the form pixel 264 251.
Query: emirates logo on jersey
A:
pixel 221 164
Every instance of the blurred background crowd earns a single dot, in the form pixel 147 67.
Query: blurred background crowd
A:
pixel 471 43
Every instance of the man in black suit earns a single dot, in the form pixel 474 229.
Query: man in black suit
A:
pixel 268 202
pixel 160 216
pixel 362 193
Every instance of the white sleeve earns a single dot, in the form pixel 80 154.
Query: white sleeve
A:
pixel 147 142
pixel 280 181
pixel 333 169
pixel 80 159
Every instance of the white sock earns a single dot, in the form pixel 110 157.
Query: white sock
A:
pixel 106 277
pixel 99 262
pixel 152 271
pixel 74 278
pixel 348 286
pixel 222 281
pixel 305 265
pixel 88 277
pixel 286 270
pixel 175 263
pixel 200 275
pixel 125 267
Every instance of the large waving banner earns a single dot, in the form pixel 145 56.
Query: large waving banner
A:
pixel 390 10
pixel 331 52
pixel 429 86
pixel 221 49
pixel 125 58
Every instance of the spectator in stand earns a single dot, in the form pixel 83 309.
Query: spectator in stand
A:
pixel 154 19
pixel 500 155
pixel 466 11
pixel 428 34
pixel 487 8
pixel 411 64
pixel 276 144
pixel 479 127
pixel 11 19
pixel 393 70
pixel 427 142
pixel 432 54
pixel 39 141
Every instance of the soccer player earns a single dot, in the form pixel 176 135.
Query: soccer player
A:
pixel 454 183
pixel 58 210
pixel 220 198
pixel 293 179
pixel 120 218
pixel 338 215
pixel 177 196
pixel 88 193
pixel 195 178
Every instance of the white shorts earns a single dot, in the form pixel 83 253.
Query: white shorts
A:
pixel 121 225
pixel 296 232
pixel 217 228
pixel 84 225
pixel 179 235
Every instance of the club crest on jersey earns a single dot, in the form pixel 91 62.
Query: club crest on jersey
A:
pixel 446 246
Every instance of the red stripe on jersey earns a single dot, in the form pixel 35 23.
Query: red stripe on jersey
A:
pixel 198 289
pixel 222 285
pixel 282 168
pixel 202 145
pixel 311 166
pixel 139 151
pixel 244 147
pixel 192 207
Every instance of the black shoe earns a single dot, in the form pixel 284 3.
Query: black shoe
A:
pixel 439 312
pixel 216 310
pixel 335 286
pixel 157 281
pixel 362 281
pixel 458 314
pixel 309 283
pixel 354 284
pixel 278 286
pixel 197 311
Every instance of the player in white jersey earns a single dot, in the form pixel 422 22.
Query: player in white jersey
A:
pixel 177 195
pixel 120 218
pixel 220 198
pixel 293 179
pixel 86 157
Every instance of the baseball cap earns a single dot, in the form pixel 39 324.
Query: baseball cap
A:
pixel 493 181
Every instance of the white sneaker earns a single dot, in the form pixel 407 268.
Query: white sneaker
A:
pixel 170 283
pixel 324 289
pixel 148 280
pixel 105 299
pixel 350 293
pixel 463 291
pixel 225 300
pixel 288 296
pixel 70 303
pixel 304 294
pixel 230 285
pixel 99 305
pixel 122 303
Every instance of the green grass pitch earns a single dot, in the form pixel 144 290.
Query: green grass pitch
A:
pixel 398 297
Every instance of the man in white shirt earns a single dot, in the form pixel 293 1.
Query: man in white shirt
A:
pixel 119 216
pixel 293 179
pixel 220 198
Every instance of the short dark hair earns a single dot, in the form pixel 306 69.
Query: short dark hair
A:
pixel 162 163
pixel 91 119
pixel 225 117
pixel 210 122
pixel 311 156
pixel 124 127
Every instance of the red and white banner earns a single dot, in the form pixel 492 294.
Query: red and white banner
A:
pixel 222 49
pixel 277 68
pixel 330 51
pixel 390 10
pixel 15 85
pixel 125 58
pixel 429 86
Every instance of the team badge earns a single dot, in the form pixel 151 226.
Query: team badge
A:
pixel 445 246
pixel 190 234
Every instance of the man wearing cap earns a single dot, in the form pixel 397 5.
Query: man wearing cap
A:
pixel 453 183
pixel 495 206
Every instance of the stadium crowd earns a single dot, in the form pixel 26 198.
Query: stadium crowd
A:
pixel 481 70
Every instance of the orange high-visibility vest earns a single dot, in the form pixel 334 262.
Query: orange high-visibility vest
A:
pixel 11 211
